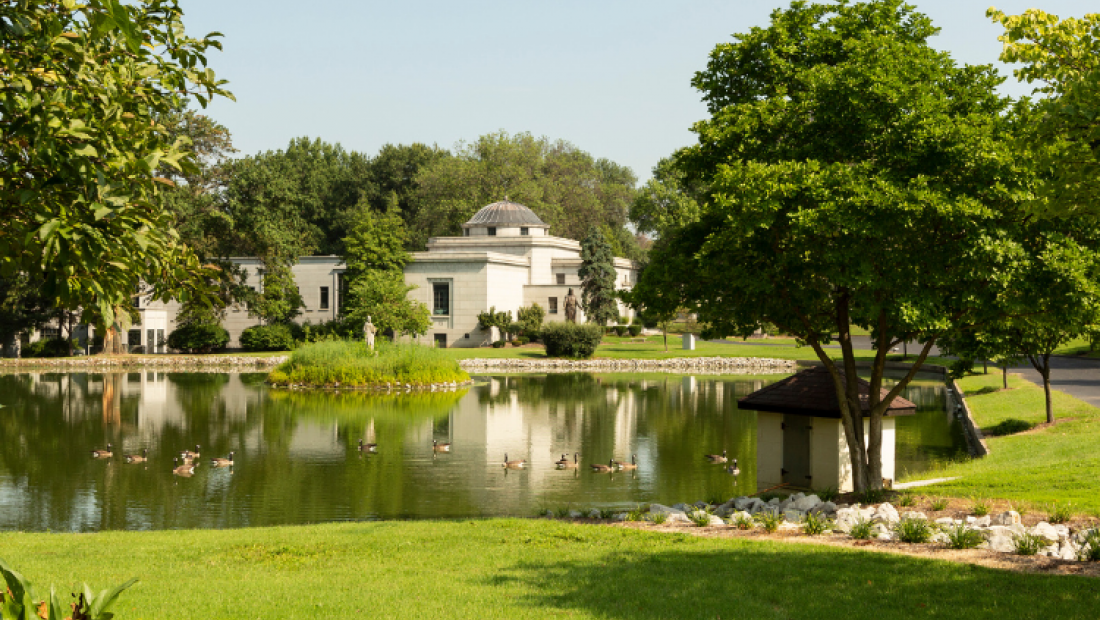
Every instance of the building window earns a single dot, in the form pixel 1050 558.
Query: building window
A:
pixel 553 305
pixel 492 231
pixel 324 298
pixel 441 298
pixel 561 278
pixel 466 232
pixel 524 231
pixel 441 341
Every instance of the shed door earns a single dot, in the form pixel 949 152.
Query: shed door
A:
pixel 796 450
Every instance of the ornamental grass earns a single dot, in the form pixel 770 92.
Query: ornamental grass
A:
pixel 353 364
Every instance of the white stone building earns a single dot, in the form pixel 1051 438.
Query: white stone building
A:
pixel 506 259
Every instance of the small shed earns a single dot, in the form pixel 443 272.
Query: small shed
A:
pixel 800 438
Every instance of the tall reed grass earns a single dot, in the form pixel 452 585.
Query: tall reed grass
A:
pixel 352 364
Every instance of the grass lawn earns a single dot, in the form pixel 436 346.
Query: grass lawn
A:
pixel 522 568
pixel 1079 346
pixel 1058 463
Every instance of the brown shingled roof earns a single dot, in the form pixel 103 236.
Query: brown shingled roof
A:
pixel 811 393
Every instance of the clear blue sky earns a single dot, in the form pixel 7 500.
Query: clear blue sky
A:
pixel 611 76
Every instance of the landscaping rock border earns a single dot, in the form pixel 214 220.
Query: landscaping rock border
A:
pixel 679 364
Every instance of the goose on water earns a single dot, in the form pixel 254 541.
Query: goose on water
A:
pixel 138 458
pixel 187 454
pixel 633 464
pixel 440 447
pixel 734 470
pixel 186 469
pixel 716 458
pixel 367 447
pixel 220 462
pixel 610 467
pixel 565 463
pixel 103 454
pixel 512 464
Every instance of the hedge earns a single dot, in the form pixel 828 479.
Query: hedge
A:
pixel 279 337
pixel 199 338
pixel 571 340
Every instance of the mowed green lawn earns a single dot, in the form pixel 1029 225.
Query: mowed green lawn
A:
pixel 523 568
pixel 1059 463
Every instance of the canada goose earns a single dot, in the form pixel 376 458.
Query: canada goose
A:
pixel 187 454
pixel 633 464
pixel 440 447
pixel 186 469
pixel 512 464
pixel 565 463
pixel 135 458
pixel 367 447
pixel 103 454
pixel 220 462
pixel 563 459
pixel 734 470
pixel 604 468
pixel 716 458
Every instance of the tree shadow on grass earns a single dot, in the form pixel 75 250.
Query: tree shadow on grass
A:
pixel 762 580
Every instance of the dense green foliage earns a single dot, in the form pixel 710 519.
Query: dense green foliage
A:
pixel 352 364
pixel 384 296
pixel 23 307
pixel 571 340
pixel 199 338
pixel 850 174
pixel 83 87
pixel 277 337
pixel 47 347
pixel 569 189
pixel 530 319
pixel 1064 57
pixel 598 276
pixel 279 301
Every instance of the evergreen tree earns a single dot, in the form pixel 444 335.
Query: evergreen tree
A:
pixel 597 275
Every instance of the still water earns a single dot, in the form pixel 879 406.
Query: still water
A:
pixel 296 456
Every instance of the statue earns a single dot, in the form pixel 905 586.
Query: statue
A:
pixel 571 307
pixel 369 330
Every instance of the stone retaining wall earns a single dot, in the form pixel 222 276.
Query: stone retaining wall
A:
pixel 975 440
pixel 739 365
pixel 115 362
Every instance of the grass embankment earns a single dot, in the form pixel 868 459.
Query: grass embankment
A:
pixel 1059 463
pixel 522 569
pixel 352 364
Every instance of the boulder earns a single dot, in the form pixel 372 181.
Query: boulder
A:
pixel 1003 544
pixel 825 508
pixel 879 529
pixel 677 517
pixel 594 514
pixel 846 518
pixel 793 516
pixel 1046 530
pixel 913 514
pixel 1010 517
pixel 575 514
pixel 940 537
pixel 806 503
pixel 884 536
pixel 665 509
pixel 725 510
pixel 773 501
pixel 886 514
pixel 1068 551
pixel 684 508
pixel 621 516
pixel 743 503
pixel 785 505
pixel 985 521
pixel 945 521
pixel 716 520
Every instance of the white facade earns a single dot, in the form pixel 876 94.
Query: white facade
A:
pixel 812 452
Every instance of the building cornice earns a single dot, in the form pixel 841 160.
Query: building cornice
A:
pixel 495 258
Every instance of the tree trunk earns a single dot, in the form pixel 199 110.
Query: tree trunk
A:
pixel 664 328
pixel 985 366
pixel 1004 375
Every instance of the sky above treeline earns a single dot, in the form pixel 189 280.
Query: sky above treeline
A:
pixel 613 77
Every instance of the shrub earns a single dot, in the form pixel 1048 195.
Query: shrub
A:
pixel 828 494
pixel 1010 426
pixel 620 330
pixel 769 520
pixel 637 320
pixel 636 514
pixel 815 524
pixel 498 344
pixel 1090 546
pixel 960 368
pixel 939 504
pixel 1060 513
pixel 980 507
pixel 571 340
pixel 519 342
pixel 20 602
pixel 874 496
pixel 1029 544
pixel 336 329
pixel 658 517
pixel 914 530
pixel 198 338
pixel 905 500
pixel 961 537
pixel 743 522
pixel 862 529
pixel 278 337
pixel 621 320
pixel 530 319
pixel 700 518
pixel 634 330
pixel 53 347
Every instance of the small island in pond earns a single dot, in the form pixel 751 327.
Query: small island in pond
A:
pixel 354 365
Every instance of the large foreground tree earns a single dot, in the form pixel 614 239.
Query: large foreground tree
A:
pixel 83 87
pixel 854 175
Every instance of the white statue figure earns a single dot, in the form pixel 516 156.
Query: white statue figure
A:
pixel 369 330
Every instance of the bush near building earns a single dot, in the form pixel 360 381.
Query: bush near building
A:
pixel 278 337
pixel 571 340
pixel 198 338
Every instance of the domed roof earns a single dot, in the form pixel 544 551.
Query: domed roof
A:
pixel 505 214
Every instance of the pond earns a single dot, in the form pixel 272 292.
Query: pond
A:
pixel 296 458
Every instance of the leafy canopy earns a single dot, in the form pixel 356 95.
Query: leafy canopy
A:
pixel 80 143
pixel 597 274
pixel 849 174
